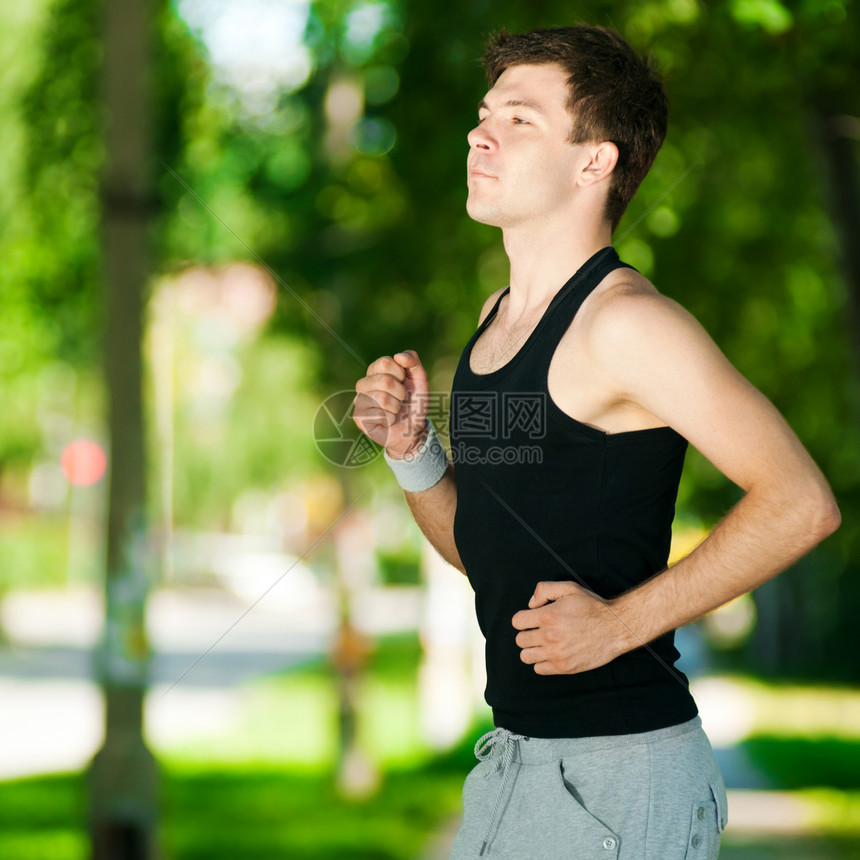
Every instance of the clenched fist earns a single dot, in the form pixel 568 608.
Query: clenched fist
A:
pixel 391 403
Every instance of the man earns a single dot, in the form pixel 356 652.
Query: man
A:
pixel 562 521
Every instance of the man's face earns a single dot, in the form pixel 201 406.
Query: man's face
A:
pixel 521 166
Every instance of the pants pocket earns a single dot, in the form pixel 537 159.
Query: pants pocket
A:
pixel 718 793
pixel 592 837
pixel 476 788
pixel 704 840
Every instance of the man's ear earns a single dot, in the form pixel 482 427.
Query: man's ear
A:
pixel 604 157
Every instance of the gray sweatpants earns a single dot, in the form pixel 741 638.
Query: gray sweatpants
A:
pixel 647 796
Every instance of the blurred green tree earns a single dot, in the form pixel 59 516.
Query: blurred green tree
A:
pixel 89 204
pixel 351 188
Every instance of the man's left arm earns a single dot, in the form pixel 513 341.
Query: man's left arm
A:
pixel 662 360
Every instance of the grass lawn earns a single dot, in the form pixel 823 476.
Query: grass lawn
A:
pixel 248 813
pixel 273 815
pixel 253 813
pixel 800 762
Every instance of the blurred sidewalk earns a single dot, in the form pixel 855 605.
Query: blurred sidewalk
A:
pixel 206 643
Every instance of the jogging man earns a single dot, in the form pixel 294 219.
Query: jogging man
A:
pixel 571 411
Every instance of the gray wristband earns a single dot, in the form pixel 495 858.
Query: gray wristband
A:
pixel 422 469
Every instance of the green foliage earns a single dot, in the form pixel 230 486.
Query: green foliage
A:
pixel 399 568
pixel 51 136
pixel 396 657
pixel 63 153
pixel 27 336
pixel 34 552
pixel 799 762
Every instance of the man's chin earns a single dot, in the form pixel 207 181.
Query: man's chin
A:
pixel 482 215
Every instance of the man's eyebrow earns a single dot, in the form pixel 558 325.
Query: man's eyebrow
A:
pixel 521 103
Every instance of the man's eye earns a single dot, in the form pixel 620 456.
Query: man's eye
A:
pixel 519 121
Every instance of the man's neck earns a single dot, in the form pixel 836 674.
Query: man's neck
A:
pixel 544 259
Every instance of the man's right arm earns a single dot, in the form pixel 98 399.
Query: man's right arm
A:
pixel 434 511
pixel 391 408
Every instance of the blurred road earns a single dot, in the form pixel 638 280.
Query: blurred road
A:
pixel 206 643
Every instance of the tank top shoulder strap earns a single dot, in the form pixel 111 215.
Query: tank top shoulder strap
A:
pixel 487 320
pixel 570 297
pixel 493 311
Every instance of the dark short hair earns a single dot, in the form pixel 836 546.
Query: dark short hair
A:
pixel 615 95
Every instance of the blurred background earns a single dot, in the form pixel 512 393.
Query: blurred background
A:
pixel 221 634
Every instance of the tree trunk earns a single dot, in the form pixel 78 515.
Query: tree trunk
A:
pixel 838 135
pixel 123 773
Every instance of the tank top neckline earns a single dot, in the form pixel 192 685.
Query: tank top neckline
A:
pixel 570 286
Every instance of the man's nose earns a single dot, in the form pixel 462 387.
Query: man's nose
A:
pixel 479 137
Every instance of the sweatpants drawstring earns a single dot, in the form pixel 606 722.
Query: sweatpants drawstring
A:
pixel 483 750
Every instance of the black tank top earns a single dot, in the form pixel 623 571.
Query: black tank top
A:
pixel 540 494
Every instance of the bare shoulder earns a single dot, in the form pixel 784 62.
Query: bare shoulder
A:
pixel 489 303
pixel 649 352
pixel 627 316
pixel 627 299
